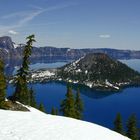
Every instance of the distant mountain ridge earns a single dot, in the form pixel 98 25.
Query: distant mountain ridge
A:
pixel 10 50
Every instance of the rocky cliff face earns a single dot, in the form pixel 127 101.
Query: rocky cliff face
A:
pixel 6 43
pixel 9 50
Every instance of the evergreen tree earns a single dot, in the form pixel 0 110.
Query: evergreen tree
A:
pixel 78 105
pixel 2 84
pixel 118 127
pixel 139 132
pixel 68 104
pixel 32 98
pixel 41 108
pixel 132 130
pixel 21 88
pixel 54 111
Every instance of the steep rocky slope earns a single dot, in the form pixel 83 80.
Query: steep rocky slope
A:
pixel 99 70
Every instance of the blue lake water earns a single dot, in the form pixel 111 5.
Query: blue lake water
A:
pixel 133 63
pixel 47 65
pixel 99 107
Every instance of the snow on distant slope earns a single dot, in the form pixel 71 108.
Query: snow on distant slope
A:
pixel 16 45
pixel 35 125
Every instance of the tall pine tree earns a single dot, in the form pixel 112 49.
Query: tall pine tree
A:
pixel 78 105
pixel 132 130
pixel 118 126
pixel 21 88
pixel 2 84
pixel 32 101
pixel 68 104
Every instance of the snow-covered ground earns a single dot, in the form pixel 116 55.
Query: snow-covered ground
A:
pixel 43 74
pixel 35 125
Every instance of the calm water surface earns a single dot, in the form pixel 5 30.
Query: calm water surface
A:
pixel 99 107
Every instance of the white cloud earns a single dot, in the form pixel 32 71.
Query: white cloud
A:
pixel 105 36
pixel 12 32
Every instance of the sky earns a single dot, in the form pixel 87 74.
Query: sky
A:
pixel 73 23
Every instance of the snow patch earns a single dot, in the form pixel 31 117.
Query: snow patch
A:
pixel 6 50
pixel 35 125
pixel 15 45
pixel 4 41
pixel 111 85
pixel 68 50
pixel 43 74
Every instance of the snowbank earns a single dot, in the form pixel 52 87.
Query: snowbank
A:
pixel 35 125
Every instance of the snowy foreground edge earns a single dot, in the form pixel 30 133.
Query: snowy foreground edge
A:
pixel 36 125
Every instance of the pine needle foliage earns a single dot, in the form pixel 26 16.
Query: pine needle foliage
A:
pixel 118 126
pixel 72 106
pixel 68 104
pixel 2 84
pixel 132 130
pixel 78 105
pixel 22 91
